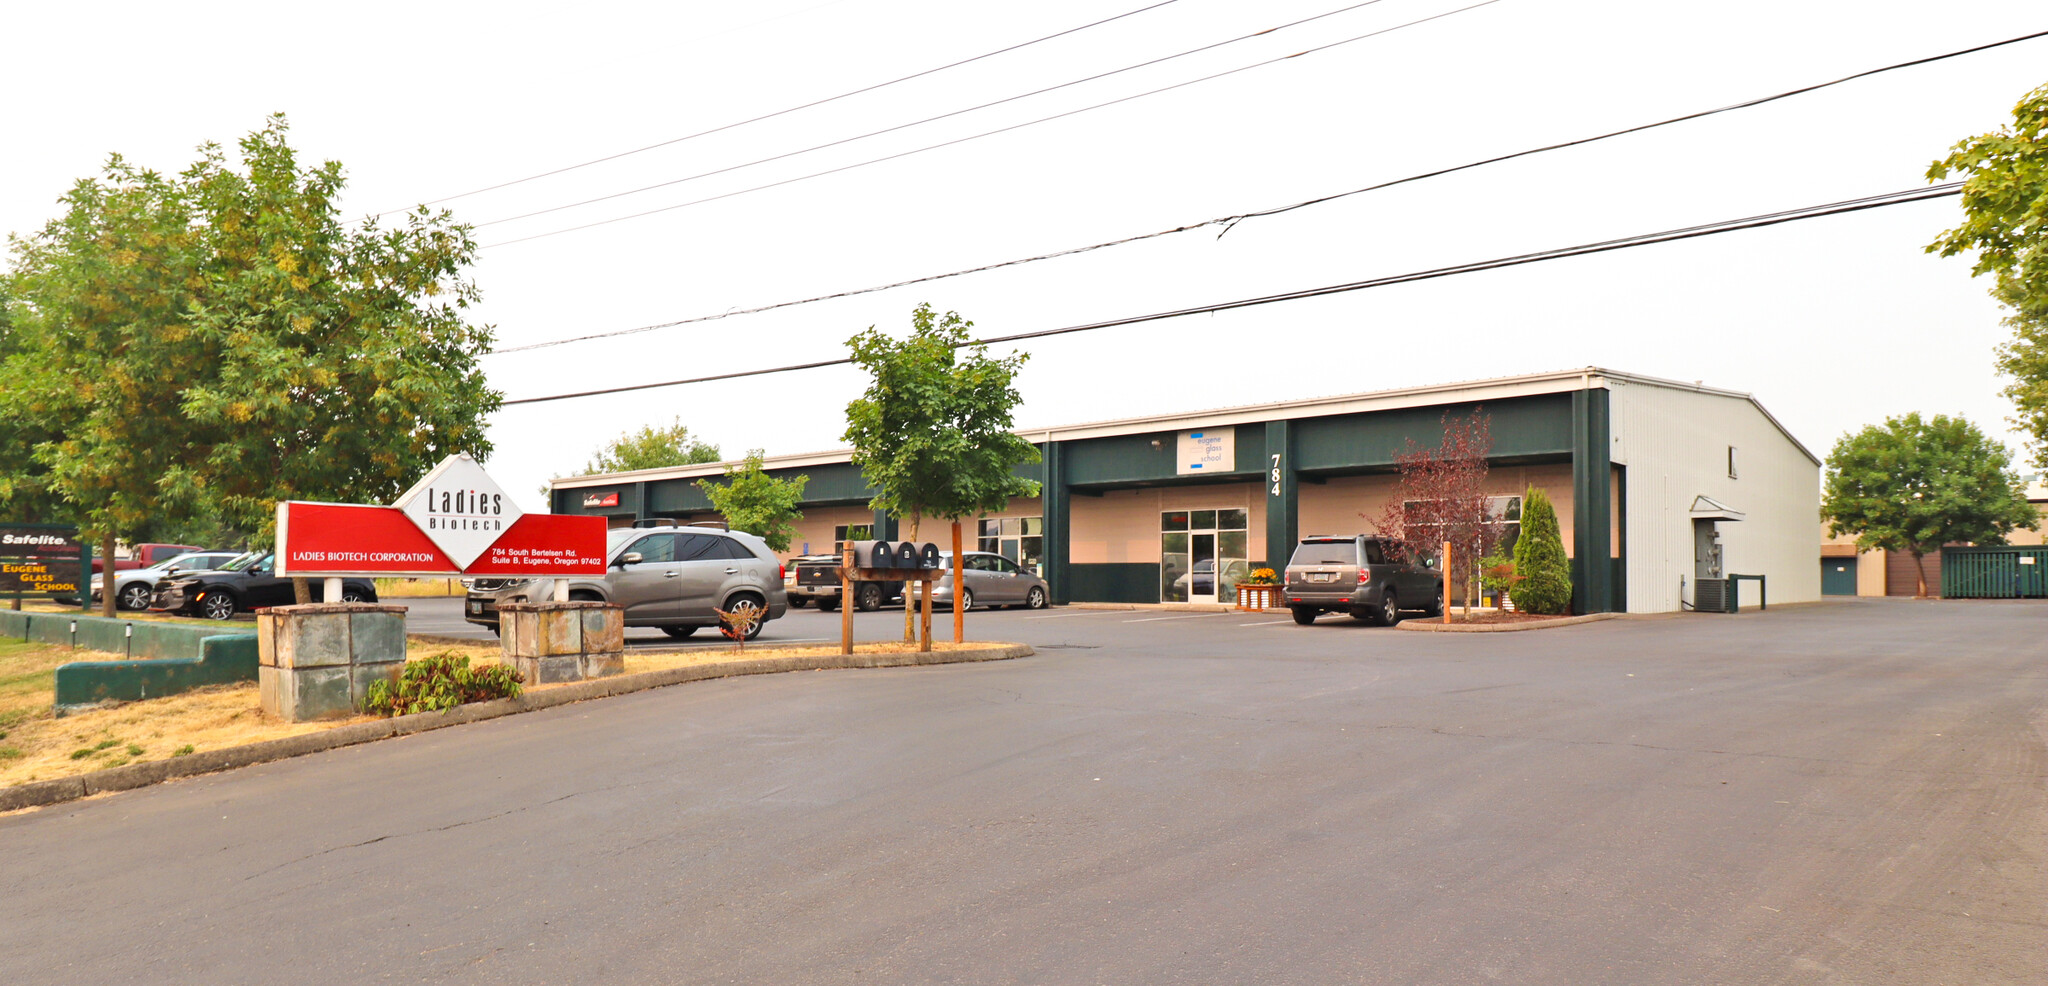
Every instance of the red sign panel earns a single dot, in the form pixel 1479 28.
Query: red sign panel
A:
pixel 325 539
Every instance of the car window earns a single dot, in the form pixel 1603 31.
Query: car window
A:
pixel 655 548
pixel 729 548
pixel 1325 553
pixel 240 564
pixel 1008 567
pixel 1375 553
pixel 695 547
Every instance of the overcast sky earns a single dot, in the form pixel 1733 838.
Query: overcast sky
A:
pixel 1832 323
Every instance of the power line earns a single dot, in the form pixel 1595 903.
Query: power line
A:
pixel 789 110
pixel 1603 246
pixel 991 133
pixel 930 119
pixel 1225 220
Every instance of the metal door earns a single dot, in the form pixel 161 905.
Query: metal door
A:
pixel 649 589
pixel 1838 576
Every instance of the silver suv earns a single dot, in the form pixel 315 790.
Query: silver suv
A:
pixel 667 577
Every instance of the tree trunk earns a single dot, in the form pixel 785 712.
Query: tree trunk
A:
pixel 302 591
pixel 106 573
pixel 1919 576
pixel 910 592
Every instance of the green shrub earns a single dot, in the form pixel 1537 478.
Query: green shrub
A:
pixel 438 683
pixel 182 751
pixel 1543 581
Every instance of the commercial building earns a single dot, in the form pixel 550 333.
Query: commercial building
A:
pixel 1846 571
pixel 1657 484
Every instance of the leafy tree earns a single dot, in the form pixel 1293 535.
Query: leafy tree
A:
pixel 1442 497
pixel 653 448
pixel 932 432
pixel 203 345
pixel 1914 485
pixel 1543 575
pixel 753 501
pixel 2005 221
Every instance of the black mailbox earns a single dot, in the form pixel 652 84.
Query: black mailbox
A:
pixel 907 556
pixel 930 555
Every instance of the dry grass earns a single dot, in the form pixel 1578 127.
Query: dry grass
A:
pixel 418 588
pixel 35 745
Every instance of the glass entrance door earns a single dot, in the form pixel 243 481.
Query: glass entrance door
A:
pixel 1201 555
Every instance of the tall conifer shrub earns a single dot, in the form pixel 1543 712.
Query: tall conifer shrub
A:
pixel 1545 584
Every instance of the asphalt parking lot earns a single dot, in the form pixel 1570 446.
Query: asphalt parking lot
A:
pixel 1844 793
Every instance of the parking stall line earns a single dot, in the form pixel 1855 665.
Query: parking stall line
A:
pixel 1196 616
pixel 1268 623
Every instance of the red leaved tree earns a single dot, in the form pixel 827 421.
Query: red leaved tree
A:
pixel 1442 497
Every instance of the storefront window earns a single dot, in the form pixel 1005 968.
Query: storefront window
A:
pixel 1020 539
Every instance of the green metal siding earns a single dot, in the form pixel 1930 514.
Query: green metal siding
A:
pixel 1994 573
pixel 1525 429
pixel 1125 582
pixel 1838 576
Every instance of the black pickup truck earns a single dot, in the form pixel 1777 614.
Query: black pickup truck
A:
pixel 817 579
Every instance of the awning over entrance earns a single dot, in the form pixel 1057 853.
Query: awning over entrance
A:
pixel 1708 508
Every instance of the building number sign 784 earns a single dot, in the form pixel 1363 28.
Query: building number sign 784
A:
pixel 1275 474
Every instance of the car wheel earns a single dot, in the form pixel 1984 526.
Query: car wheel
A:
pixel 795 603
pixel 1304 615
pixel 218 605
pixel 1436 602
pixel 828 605
pixel 1035 599
pixel 350 595
pixel 134 595
pixel 1390 610
pixel 966 602
pixel 867 597
pixel 679 632
pixel 742 604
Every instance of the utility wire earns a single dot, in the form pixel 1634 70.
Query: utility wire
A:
pixel 991 133
pixel 1226 220
pixel 792 109
pixel 1603 246
pixel 929 119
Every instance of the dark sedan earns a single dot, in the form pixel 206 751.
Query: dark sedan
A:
pixel 247 583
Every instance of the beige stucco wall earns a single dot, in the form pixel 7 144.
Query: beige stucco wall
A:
pixel 1352 504
pixel 1123 526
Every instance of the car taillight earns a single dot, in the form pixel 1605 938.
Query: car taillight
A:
pixel 1364 576
pixel 781 573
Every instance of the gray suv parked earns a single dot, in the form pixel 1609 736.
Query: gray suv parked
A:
pixel 1362 576
pixel 667 577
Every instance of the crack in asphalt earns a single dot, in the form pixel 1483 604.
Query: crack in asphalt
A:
pixel 425 831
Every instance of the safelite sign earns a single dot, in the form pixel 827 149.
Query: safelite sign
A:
pixel 456 521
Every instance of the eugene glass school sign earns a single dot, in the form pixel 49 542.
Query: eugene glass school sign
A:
pixel 455 521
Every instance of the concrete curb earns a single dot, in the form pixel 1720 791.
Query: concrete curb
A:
pixel 1508 627
pixel 37 794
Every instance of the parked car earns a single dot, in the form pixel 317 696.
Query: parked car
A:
pixel 993 581
pixel 817 578
pixel 1201 580
pixel 799 595
pixel 133 588
pixel 241 585
pixel 146 555
pixel 667 577
pixel 1363 576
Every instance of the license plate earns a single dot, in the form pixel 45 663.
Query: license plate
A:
pixel 476 607
pixel 1322 576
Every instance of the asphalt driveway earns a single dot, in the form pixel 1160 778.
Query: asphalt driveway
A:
pixel 1847 793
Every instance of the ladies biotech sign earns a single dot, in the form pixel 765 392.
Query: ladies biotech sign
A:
pixel 456 521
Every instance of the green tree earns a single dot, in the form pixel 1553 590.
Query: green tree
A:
pixel 1912 485
pixel 932 432
pixel 203 345
pixel 751 500
pixel 1543 582
pixel 652 448
pixel 2005 222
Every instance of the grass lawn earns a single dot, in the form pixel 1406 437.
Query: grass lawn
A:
pixel 35 745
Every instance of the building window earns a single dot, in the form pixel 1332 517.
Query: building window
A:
pixel 1020 539
pixel 1731 462
pixel 850 532
pixel 1503 513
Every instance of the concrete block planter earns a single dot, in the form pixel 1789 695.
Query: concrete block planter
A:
pixel 318 661
pixel 550 642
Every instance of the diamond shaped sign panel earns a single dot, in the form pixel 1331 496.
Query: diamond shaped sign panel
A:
pixel 459 508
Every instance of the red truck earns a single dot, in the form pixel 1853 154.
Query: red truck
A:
pixel 146 555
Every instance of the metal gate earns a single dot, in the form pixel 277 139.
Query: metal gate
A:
pixel 1994 573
